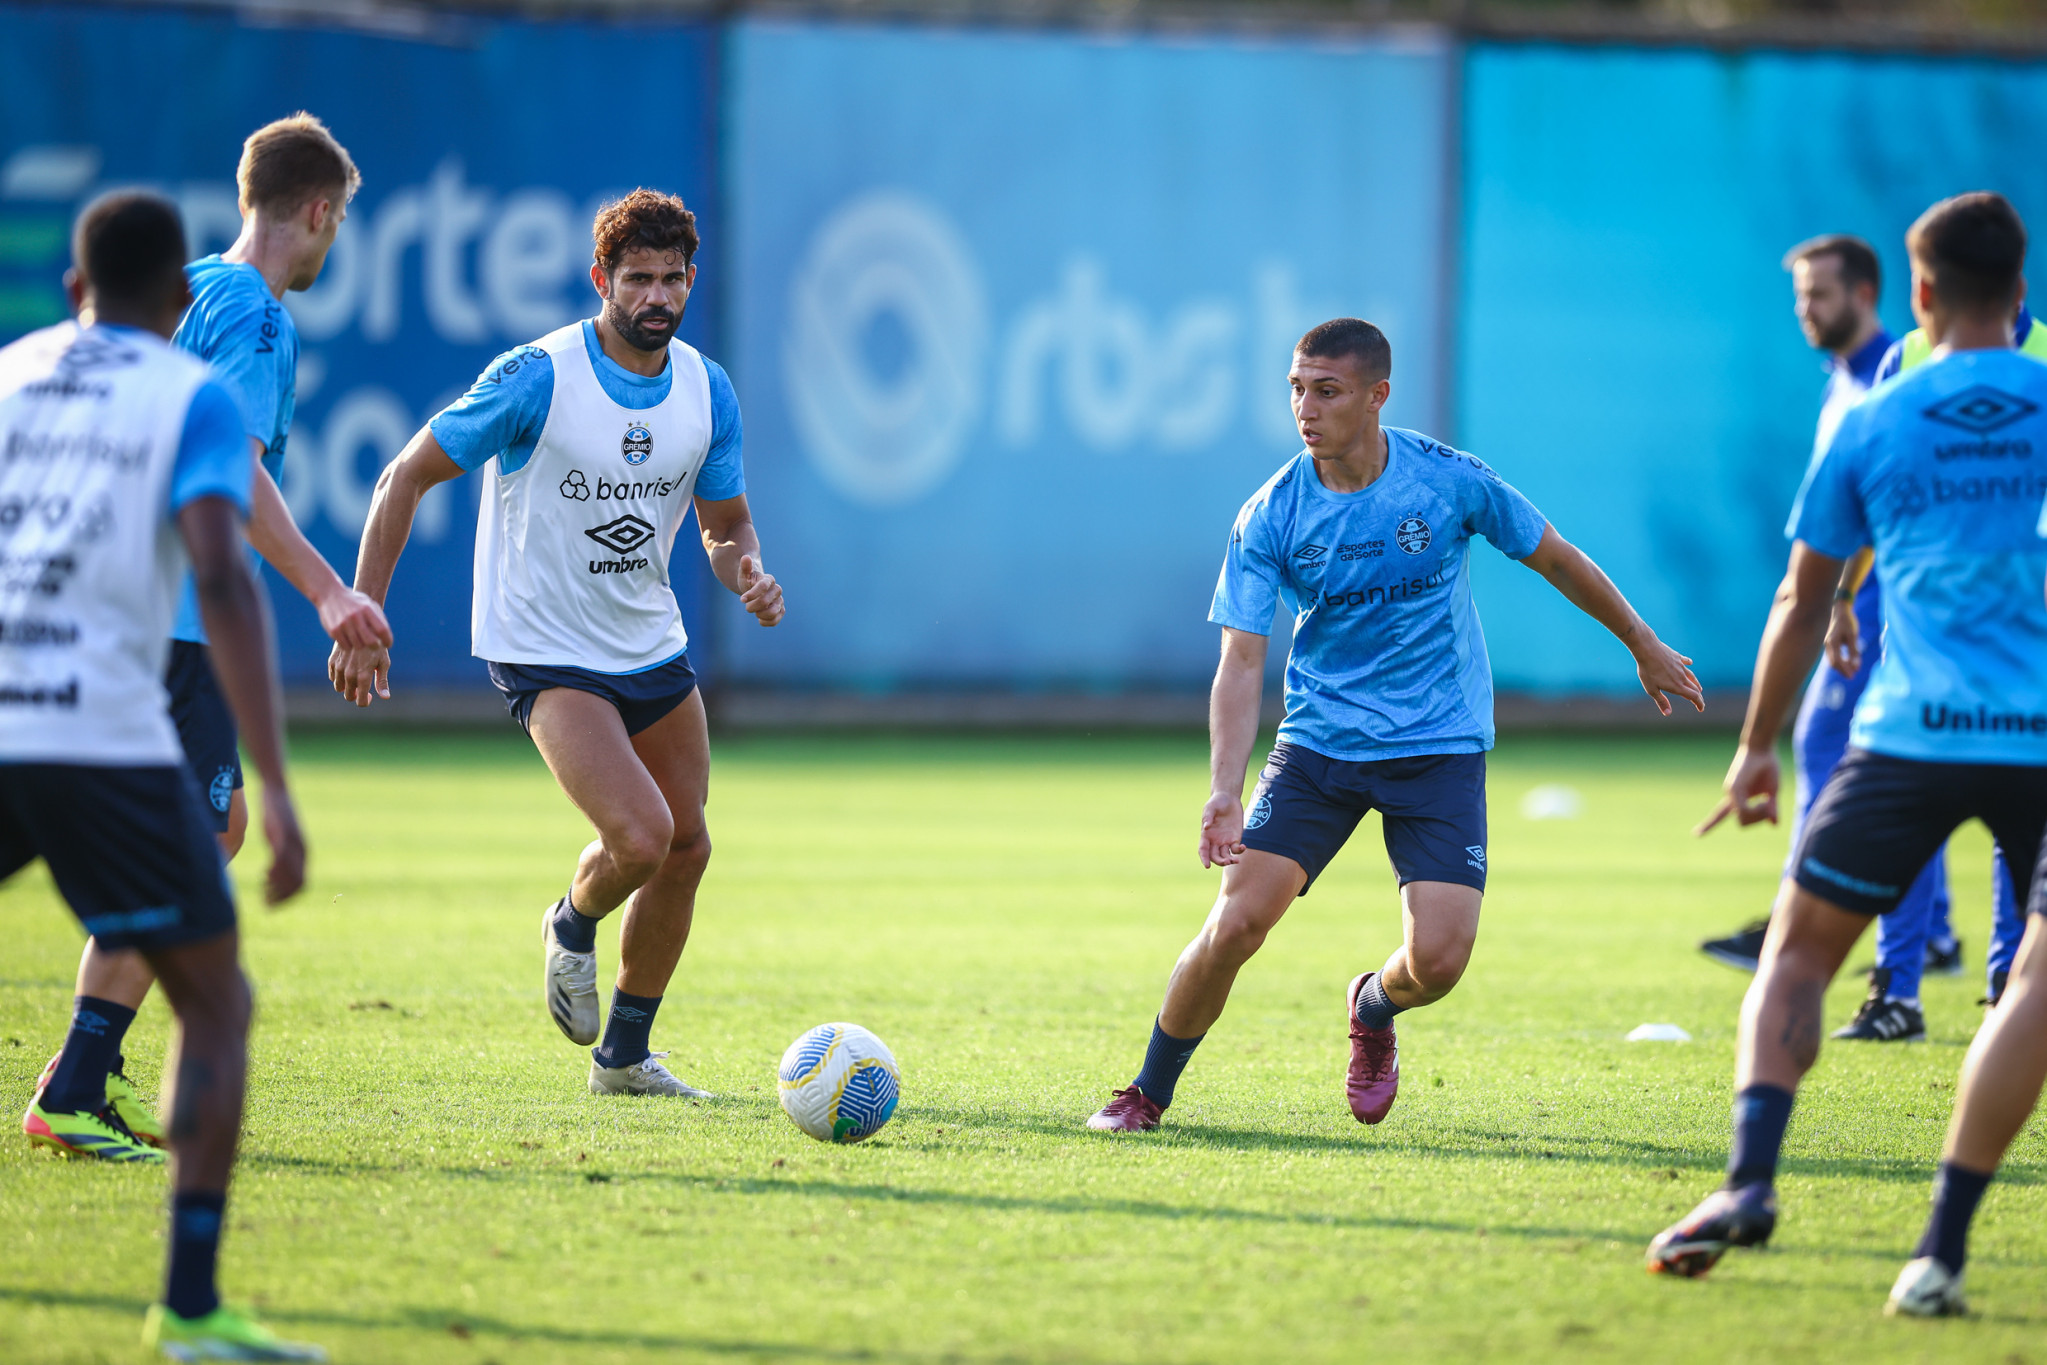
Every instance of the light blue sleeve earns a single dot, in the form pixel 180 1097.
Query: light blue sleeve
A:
pixel 213 457
pixel 251 363
pixel 1890 365
pixel 724 472
pixel 1497 510
pixel 503 413
pixel 1247 590
pixel 1829 515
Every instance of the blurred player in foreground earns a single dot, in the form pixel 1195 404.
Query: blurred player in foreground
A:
pixel 134 457
pixel 602 433
pixel 1366 537
pixel 295 181
pixel 1929 470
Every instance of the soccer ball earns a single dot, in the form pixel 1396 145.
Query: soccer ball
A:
pixel 839 1083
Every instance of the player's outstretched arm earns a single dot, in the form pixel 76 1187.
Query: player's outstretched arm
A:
pixel 1664 672
pixel 363 674
pixel 1791 645
pixel 349 617
pixel 1232 729
pixel 237 621
pixel 734 549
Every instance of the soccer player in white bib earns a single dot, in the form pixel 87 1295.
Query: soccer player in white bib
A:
pixel 595 441
pixel 126 456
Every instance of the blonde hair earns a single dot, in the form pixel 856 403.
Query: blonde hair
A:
pixel 291 162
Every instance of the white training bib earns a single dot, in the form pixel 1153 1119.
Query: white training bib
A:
pixel 90 560
pixel 572 548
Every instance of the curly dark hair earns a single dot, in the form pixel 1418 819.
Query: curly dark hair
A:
pixel 644 218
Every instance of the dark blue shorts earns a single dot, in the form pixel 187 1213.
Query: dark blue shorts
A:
pixel 1433 808
pixel 206 728
pixel 641 698
pixel 1879 818
pixel 131 850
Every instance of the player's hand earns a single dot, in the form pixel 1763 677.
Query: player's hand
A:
pixel 361 675
pixel 1844 640
pixel 354 619
pixel 1751 790
pixel 759 593
pixel 1222 830
pixel 1666 673
pixel 287 875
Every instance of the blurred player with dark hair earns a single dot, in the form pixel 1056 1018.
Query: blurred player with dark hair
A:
pixel 596 440
pixel 295 181
pixel 1365 536
pixel 1952 727
pixel 135 455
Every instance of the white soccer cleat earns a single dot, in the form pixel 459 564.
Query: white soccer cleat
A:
pixel 1925 1289
pixel 570 986
pixel 642 1078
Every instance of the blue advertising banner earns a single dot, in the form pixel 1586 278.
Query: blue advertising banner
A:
pixel 1012 314
pixel 1627 350
pixel 483 161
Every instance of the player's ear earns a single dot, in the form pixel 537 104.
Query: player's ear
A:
pixel 600 281
pixel 1381 391
pixel 74 289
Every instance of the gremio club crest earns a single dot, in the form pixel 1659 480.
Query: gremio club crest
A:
pixel 638 444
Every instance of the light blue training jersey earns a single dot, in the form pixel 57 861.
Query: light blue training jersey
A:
pixel 506 409
pixel 1941 470
pixel 1388 660
pixel 237 326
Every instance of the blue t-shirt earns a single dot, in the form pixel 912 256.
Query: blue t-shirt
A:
pixel 1936 470
pixel 237 326
pixel 505 411
pixel 1388 660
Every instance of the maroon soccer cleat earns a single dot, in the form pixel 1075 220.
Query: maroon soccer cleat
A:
pixel 1374 1076
pixel 1129 1112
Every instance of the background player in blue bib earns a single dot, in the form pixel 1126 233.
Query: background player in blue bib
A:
pixel 1365 538
pixel 1937 470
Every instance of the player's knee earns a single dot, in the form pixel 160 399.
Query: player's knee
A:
pixel 1235 939
pixel 691 848
pixel 639 850
pixel 218 1012
pixel 1439 966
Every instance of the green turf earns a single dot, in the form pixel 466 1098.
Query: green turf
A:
pixel 425 1178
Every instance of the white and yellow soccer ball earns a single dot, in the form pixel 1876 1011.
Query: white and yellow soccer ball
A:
pixel 839 1083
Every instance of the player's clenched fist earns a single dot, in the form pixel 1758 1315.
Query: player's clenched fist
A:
pixel 759 593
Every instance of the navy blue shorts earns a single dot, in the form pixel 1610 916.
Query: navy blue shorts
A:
pixel 641 698
pixel 1879 818
pixel 1433 809
pixel 131 849
pixel 206 728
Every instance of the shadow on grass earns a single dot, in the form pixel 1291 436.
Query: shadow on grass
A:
pixel 471 1325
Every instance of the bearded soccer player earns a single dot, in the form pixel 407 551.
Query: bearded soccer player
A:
pixel 294 181
pixel 1365 536
pixel 1952 727
pixel 595 440
pixel 135 456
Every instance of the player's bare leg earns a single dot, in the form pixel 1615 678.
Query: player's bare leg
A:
pixel 1781 1029
pixel 645 794
pixel 1439 926
pixel 2000 1086
pixel 1256 892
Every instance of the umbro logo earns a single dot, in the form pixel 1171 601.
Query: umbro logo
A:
pixel 627 1012
pixel 1309 554
pixel 1980 409
pixel 1477 858
pixel 622 536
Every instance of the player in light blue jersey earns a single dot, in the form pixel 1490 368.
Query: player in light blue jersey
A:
pixel 594 444
pixel 1936 471
pixel 295 181
pixel 1365 538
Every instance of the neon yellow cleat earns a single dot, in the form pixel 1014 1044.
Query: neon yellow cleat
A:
pixel 97 1135
pixel 224 1334
pixel 128 1106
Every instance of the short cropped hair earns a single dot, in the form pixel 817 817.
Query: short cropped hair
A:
pixel 129 245
pixel 1352 338
pixel 1973 248
pixel 1859 262
pixel 288 164
pixel 644 218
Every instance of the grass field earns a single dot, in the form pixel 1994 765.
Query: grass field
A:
pixel 426 1179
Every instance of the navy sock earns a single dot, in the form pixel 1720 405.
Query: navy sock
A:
pixel 195 1247
pixel 1376 1008
pixel 91 1049
pixel 1761 1113
pixel 573 929
pixel 625 1032
pixel 1164 1059
pixel 1956 1193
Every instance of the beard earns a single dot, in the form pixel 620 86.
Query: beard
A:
pixel 1835 334
pixel 631 326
